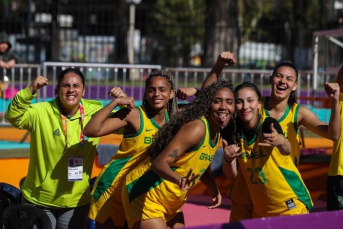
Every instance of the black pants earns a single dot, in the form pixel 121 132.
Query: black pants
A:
pixel 334 188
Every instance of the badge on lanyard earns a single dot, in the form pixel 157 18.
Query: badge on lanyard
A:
pixel 75 168
pixel 75 163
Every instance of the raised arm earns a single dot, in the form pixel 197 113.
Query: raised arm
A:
pixel 225 59
pixel 340 78
pixel 308 119
pixel 19 113
pixel 101 124
pixel 185 92
pixel 104 123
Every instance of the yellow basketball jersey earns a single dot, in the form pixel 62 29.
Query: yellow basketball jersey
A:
pixel 289 125
pixel 275 184
pixel 145 192
pixel 336 162
pixel 131 152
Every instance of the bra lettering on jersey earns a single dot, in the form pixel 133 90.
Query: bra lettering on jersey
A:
pixel 147 140
pixel 206 157
pixel 255 155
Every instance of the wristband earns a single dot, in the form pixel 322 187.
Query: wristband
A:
pixel 198 91
pixel 227 160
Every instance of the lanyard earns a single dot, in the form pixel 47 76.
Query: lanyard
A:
pixel 64 125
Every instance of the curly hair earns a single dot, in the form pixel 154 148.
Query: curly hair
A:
pixel 192 111
pixel 172 104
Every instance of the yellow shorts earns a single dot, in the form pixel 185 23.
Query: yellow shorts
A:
pixel 109 204
pixel 107 207
pixel 241 205
pixel 240 211
pixel 142 208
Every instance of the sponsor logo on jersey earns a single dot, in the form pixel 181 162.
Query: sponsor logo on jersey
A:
pixel 290 204
pixel 57 132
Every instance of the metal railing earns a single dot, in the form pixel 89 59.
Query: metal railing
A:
pixel 15 79
pixel 100 78
pixel 195 76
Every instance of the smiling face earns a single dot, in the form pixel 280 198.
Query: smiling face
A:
pixel 158 93
pixel 70 91
pixel 283 82
pixel 222 107
pixel 247 107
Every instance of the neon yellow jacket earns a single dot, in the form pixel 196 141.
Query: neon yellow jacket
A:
pixel 47 182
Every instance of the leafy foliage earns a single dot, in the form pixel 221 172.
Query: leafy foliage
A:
pixel 178 26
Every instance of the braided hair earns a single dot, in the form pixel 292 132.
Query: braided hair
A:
pixel 194 110
pixel 172 104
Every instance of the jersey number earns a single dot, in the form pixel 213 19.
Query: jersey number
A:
pixel 260 173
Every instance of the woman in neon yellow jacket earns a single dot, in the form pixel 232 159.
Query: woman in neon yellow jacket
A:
pixel 61 157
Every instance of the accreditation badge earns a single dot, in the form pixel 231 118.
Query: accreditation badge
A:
pixel 75 168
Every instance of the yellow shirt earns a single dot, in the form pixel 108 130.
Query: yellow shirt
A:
pixel 289 125
pixel 275 184
pixel 144 187
pixel 131 153
pixel 336 162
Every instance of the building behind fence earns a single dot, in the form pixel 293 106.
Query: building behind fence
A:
pixel 91 31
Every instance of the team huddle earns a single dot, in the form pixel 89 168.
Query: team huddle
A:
pixel 166 150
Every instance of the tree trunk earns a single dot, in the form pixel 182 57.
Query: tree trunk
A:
pixel 55 34
pixel 121 20
pixel 222 31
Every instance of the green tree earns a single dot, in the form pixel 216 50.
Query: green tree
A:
pixel 178 26
pixel 288 22
pixel 222 30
